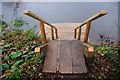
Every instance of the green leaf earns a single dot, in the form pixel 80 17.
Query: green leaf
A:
pixel 13 68
pixel 15 65
pixel 15 54
pixel 31 52
pixel 5 66
pixel 33 46
pixel 1 43
pixel 1 49
pixel 28 57
pixel 6 57
pixel 8 45
pixel 24 55
pixel 17 62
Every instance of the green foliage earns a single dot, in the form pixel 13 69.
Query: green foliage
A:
pixel 5 66
pixel 8 45
pixel 18 23
pixel 19 60
pixel 108 51
pixel 16 54
pixel 3 25
pixel 105 63
pixel 29 33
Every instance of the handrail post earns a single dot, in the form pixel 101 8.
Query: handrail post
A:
pixel 79 33
pixel 52 33
pixel 88 25
pixel 56 33
pixel 43 32
pixel 75 33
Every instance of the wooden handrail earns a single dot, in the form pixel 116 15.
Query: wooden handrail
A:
pixel 88 22
pixel 96 16
pixel 29 13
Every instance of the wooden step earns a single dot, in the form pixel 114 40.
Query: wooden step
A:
pixel 65 57
pixel 65 27
pixel 65 30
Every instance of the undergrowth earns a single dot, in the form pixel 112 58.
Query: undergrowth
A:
pixel 17 48
pixel 105 64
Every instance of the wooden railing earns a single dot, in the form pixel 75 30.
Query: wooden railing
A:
pixel 42 29
pixel 88 25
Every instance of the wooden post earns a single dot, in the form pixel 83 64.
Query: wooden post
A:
pixel 52 33
pixel 75 33
pixel 79 33
pixel 88 25
pixel 43 32
pixel 38 49
pixel 90 50
pixel 56 33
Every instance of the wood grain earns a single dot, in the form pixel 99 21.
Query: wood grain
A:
pixel 65 57
pixel 78 61
pixel 50 63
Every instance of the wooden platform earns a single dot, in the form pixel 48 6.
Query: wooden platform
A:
pixel 65 57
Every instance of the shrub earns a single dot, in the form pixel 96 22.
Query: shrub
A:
pixel 105 64
pixel 18 58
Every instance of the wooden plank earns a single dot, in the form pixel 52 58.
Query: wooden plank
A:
pixel 50 63
pixel 78 62
pixel 58 56
pixel 66 36
pixel 65 57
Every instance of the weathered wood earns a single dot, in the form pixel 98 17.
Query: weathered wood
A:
pixel 88 21
pixel 58 56
pixel 87 32
pixel 56 32
pixel 90 50
pixel 29 13
pixel 52 33
pixel 79 33
pixel 96 16
pixel 65 31
pixel 65 57
pixel 75 33
pixel 78 62
pixel 39 48
pixel 43 32
pixel 50 63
